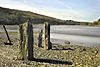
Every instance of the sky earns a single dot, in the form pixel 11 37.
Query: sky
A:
pixel 78 10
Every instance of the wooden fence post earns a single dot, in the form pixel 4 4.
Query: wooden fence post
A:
pixel 7 36
pixel 20 40
pixel 29 40
pixel 40 39
pixel 25 34
pixel 47 44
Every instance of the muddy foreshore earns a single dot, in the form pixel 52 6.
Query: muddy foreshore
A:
pixel 60 56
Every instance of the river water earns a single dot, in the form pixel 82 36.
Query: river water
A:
pixel 78 35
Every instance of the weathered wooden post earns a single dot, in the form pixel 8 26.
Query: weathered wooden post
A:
pixel 7 36
pixel 28 40
pixel 25 41
pixel 20 45
pixel 40 39
pixel 47 44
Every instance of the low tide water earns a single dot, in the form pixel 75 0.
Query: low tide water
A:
pixel 78 35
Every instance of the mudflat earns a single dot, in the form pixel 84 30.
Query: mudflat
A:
pixel 60 55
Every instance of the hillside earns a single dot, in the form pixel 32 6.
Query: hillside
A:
pixel 12 16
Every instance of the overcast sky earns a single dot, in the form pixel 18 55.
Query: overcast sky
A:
pixel 78 10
